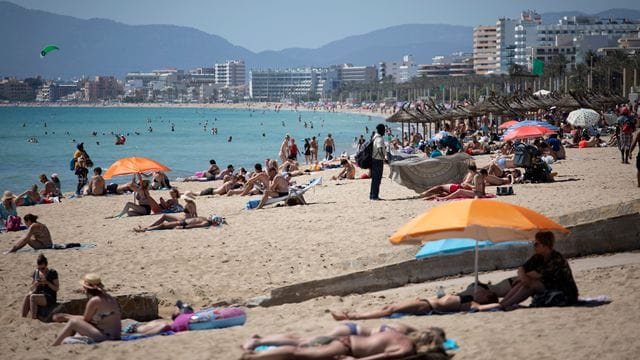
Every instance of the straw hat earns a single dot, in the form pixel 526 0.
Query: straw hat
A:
pixel 92 281
pixel 188 196
pixel 8 195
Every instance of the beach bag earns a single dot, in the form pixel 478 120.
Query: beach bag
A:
pixel 549 298
pixel 364 157
pixel 72 164
pixel 13 223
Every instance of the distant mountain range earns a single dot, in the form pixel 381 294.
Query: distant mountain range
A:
pixel 106 47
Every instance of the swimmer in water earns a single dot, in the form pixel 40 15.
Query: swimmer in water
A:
pixel 230 138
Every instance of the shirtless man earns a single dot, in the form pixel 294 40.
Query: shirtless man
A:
pixel 38 236
pixel 29 197
pixel 188 223
pixel 284 149
pixel 314 149
pixel 348 171
pixel 329 147
pixel 50 189
pixel 96 186
pixel 258 180
pixel 279 186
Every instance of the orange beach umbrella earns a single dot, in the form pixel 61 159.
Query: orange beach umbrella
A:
pixel 478 219
pixel 133 165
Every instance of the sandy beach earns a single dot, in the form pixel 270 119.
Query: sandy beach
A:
pixel 339 232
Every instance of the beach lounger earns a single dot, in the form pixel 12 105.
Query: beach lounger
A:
pixel 294 193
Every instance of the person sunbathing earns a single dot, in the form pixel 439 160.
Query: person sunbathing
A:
pixel 144 204
pixel 50 189
pixel 546 276
pixel 29 197
pixel 160 180
pixel 478 190
pixel 279 186
pixel 179 322
pixel 230 183
pixel 255 185
pixel 422 306
pixel 38 236
pixel 448 189
pixel 96 186
pixel 171 205
pixel 381 345
pixel 187 223
pixel 102 316
pixel 348 171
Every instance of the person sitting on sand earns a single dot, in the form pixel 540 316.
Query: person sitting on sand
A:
pixel 348 171
pixel 160 180
pixel 102 316
pixel 258 181
pixel 38 236
pixel 380 345
pixel 44 289
pixel 7 207
pixel 96 186
pixel 478 190
pixel 187 223
pixel 144 204
pixel 424 306
pixel 208 175
pixel 190 211
pixel 279 186
pixel 49 189
pixel 56 181
pixel 226 172
pixel 546 276
pixel 229 184
pixel 172 205
pixel 29 197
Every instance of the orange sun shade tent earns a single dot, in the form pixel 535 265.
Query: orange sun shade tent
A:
pixel 508 124
pixel 478 219
pixel 528 132
pixel 133 165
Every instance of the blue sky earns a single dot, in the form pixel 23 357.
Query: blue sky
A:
pixel 277 24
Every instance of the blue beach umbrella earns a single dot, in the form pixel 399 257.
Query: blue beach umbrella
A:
pixel 449 246
pixel 532 123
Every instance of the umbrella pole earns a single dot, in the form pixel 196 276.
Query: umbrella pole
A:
pixel 475 284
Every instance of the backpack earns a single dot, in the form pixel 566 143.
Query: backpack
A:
pixel 13 223
pixel 523 155
pixel 628 126
pixel 364 157
pixel 72 164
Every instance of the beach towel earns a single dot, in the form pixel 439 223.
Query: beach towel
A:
pixel 132 337
pixel 67 246
pixel 420 174
pixel 486 196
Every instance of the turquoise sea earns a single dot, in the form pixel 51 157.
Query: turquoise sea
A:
pixel 185 150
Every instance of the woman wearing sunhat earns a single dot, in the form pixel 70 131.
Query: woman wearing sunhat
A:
pixel 102 317
pixel 7 207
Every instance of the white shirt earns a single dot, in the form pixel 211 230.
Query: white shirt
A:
pixel 378 147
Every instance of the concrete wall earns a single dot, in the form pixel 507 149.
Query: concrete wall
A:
pixel 608 229
pixel 140 307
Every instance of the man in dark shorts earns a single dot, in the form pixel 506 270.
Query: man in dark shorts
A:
pixel 636 141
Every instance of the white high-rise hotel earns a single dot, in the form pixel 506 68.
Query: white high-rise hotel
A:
pixel 230 73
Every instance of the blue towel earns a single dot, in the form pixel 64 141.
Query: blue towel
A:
pixel 133 337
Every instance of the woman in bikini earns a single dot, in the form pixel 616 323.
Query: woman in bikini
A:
pixel 102 316
pixel 190 223
pixel 38 236
pixel 424 306
pixel 190 211
pixel 447 189
pixel 144 204
pixel 387 345
pixel 29 197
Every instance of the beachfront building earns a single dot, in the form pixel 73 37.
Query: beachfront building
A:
pixel 102 88
pixel 526 37
pixel 505 44
pixel 51 91
pixel 358 74
pixel 485 49
pixel 285 84
pixel 398 71
pixel 15 90
pixel 456 64
pixel 231 73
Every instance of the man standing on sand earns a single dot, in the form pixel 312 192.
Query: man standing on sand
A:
pixel 314 148
pixel 636 141
pixel 329 147
pixel 293 150
pixel 284 149
pixel 377 162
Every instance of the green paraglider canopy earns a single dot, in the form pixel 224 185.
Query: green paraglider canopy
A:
pixel 47 49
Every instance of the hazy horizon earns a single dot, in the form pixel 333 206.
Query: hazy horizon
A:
pixel 243 22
